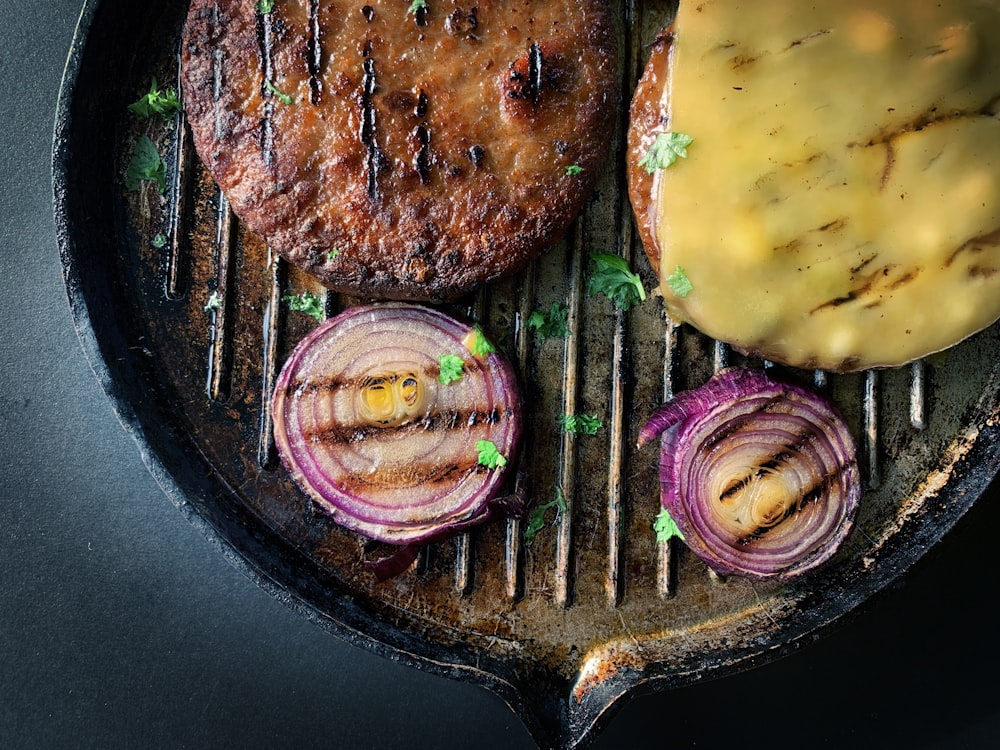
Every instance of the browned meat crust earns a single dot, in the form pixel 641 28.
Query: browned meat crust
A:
pixel 422 153
pixel 649 115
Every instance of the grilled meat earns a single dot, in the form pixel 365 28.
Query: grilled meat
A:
pixel 402 153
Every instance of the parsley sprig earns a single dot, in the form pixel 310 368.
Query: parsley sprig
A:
pixel 156 102
pixel 611 276
pixel 580 424
pixel 665 150
pixel 551 323
pixel 307 303
pixel 450 369
pixel 489 455
pixel 479 345
pixel 666 528
pixel 536 521
pixel 145 165
pixel 679 282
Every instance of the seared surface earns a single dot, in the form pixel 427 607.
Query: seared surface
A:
pixel 423 153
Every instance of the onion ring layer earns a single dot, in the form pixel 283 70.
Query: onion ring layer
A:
pixel 365 427
pixel 760 476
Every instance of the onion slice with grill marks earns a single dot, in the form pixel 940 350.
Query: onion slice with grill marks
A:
pixel 365 427
pixel 760 476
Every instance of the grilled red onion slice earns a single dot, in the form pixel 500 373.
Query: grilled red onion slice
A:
pixel 760 476
pixel 365 427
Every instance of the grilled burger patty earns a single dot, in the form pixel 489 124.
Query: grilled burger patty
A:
pixel 397 152
pixel 839 204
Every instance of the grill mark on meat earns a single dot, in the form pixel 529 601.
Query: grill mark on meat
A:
pixel 374 158
pixel 265 44
pixel 314 54
pixel 422 160
pixel 441 421
pixel 377 154
pixel 810 495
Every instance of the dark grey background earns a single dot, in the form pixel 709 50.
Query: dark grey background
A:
pixel 122 626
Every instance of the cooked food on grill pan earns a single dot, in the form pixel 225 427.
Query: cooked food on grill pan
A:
pixel 400 151
pixel 758 477
pixel 819 183
pixel 399 421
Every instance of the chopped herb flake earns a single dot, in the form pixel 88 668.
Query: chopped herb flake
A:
pixel 307 303
pixel 332 254
pixel 146 165
pixel 551 324
pixel 417 5
pixel 451 366
pixel 610 275
pixel 666 528
pixel 479 344
pixel 580 424
pixel 214 302
pixel 159 241
pixel 282 96
pixel 156 102
pixel 536 521
pixel 265 6
pixel 664 151
pixel 574 169
pixel 489 455
pixel 679 283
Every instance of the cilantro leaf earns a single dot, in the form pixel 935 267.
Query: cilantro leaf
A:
pixel 159 241
pixel 666 528
pixel 679 283
pixel 551 324
pixel 145 165
pixel 332 254
pixel 282 96
pixel 478 344
pixel 451 366
pixel 580 424
pixel 574 169
pixel 664 151
pixel 265 6
pixel 307 303
pixel 610 275
pixel 417 5
pixel 536 521
pixel 489 455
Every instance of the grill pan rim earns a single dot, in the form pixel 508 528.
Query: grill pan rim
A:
pixel 164 451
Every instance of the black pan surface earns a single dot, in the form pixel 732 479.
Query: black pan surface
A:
pixel 93 235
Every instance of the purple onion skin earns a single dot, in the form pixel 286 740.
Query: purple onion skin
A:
pixel 308 461
pixel 732 406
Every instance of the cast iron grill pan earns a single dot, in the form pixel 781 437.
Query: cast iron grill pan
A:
pixel 594 610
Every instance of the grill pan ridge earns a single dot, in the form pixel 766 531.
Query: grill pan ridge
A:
pixel 594 610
